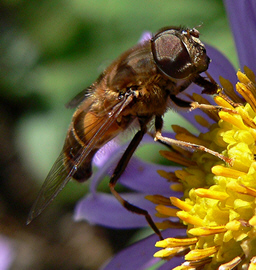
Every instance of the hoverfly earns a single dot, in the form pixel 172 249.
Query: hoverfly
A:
pixel 138 86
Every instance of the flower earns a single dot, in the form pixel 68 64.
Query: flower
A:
pixel 218 206
pixel 216 212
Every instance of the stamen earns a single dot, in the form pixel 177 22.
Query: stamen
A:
pixel 247 89
pixel 167 211
pixel 168 252
pixel 223 102
pixel 243 78
pixel 199 254
pixel 179 129
pixel 176 158
pixel 250 74
pixel 158 199
pixel 232 119
pixel 167 224
pixel 177 187
pixel 246 118
pixel 200 99
pixel 211 194
pixel 176 242
pixel 192 265
pixel 229 90
pixel 182 175
pixel 170 176
pixel 191 139
pixel 202 121
pixel 241 189
pixel 227 172
pixel 189 218
pixel 232 264
pixel 204 231
pixel 247 94
pixel 181 204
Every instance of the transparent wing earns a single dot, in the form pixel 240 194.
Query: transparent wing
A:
pixel 74 102
pixel 59 176
pixel 55 181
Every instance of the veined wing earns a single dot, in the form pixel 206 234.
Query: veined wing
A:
pixel 59 176
pixel 74 102
pixel 55 181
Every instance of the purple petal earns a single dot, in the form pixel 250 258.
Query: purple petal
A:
pixel 242 18
pixel 139 175
pixel 220 66
pixel 105 210
pixel 107 167
pixel 106 152
pixel 140 255
pixel 113 148
pixel 142 176
pixel 6 253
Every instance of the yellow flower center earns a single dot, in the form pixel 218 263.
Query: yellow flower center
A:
pixel 219 203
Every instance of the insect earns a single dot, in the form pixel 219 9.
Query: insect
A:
pixel 138 86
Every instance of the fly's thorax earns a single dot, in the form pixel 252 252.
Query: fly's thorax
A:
pixel 153 95
pixel 131 67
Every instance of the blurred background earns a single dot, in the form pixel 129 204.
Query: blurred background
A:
pixel 49 51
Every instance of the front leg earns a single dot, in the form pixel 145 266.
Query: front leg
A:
pixel 180 102
pixel 192 105
pixel 183 144
pixel 210 87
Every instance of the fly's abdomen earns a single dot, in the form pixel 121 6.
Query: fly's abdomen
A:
pixel 79 147
pixel 87 134
pixel 73 149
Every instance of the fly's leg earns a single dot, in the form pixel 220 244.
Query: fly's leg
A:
pixel 194 147
pixel 183 144
pixel 195 105
pixel 210 87
pixel 122 164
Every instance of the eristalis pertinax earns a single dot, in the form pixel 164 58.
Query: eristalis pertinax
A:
pixel 137 86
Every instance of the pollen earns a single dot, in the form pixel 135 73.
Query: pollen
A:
pixel 218 206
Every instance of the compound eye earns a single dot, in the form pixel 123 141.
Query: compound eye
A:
pixel 171 55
